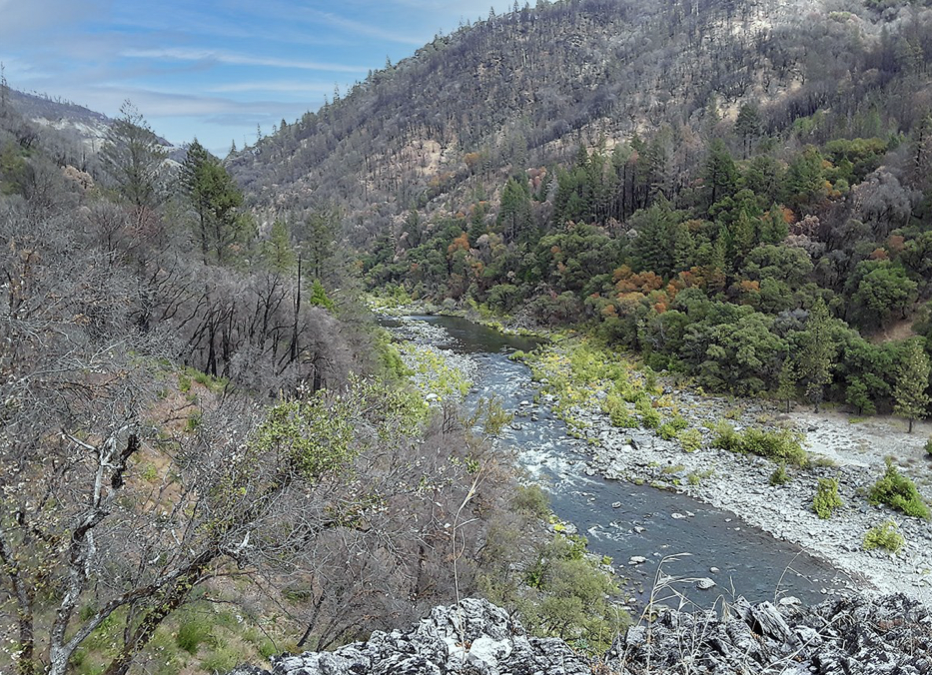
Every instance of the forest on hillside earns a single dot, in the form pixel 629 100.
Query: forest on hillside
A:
pixel 688 180
pixel 709 250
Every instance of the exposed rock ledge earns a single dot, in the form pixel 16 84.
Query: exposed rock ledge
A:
pixel 851 636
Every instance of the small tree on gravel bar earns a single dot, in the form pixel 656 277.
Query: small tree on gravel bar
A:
pixel 910 396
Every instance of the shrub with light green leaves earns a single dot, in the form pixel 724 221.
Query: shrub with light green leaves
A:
pixel 899 493
pixel 780 476
pixel 779 445
pixel 886 536
pixel 650 417
pixel 826 500
pixel 690 439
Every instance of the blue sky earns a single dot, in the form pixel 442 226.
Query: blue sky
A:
pixel 214 69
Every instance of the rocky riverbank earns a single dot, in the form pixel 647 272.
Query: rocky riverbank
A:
pixel 850 636
pixel 851 450
pixel 741 483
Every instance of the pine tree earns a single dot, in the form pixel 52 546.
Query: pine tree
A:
pixel 786 386
pixel 514 215
pixel 134 158
pixel 910 396
pixel 216 201
pixel 748 127
pixel 720 174
pixel 277 252
pixel 773 226
pixel 318 238
pixel 818 350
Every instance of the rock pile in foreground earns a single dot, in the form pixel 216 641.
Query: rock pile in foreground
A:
pixel 473 637
pixel 852 636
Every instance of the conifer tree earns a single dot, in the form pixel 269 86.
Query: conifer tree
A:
pixel 910 397
pixel 786 387
pixel 748 126
pixel 720 175
pixel 134 158
pixel 818 350
pixel 216 201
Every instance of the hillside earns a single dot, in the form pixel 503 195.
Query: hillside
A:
pixel 691 181
pixel 523 90
pixel 75 122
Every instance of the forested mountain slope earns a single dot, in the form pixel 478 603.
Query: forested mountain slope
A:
pixel 524 89
pixel 721 186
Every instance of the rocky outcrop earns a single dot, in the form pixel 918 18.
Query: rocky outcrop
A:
pixel 891 635
pixel 854 636
pixel 474 637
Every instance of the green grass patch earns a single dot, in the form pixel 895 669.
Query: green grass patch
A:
pixel 192 634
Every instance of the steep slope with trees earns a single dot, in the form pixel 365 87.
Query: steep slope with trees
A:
pixel 206 448
pixel 737 190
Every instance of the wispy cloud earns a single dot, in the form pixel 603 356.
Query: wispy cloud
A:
pixel 233 58
pixel 274 85
pixel 367 30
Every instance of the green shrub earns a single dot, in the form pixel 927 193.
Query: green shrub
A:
pixel 884 536
pixel 726 438
pixel 690 439
pixel 184 383
pixel 622 419
pixel 493 415
pixel 679 423
pixel 929 446
pixel 780 476
pixel 191 634
pixel 221 660
pixel 781 445
pixel 826 500
pixel 696 478
pixel 618 412
pixel 666 431
pixel 570 597
pixel 899 493
pixel 193 422
pixel 650 418
pixel 532 500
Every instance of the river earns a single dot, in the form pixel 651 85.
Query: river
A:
pixel 623 520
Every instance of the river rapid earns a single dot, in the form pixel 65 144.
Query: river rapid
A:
pixel 639 527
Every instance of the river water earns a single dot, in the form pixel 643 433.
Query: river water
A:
pixel 623 520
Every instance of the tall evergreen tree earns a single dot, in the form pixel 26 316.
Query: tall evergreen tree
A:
pixel 816 356
pixel 748 127
pixel 786 386
pixel 216 201
pixel 720 174
pixel 318 239
pixel 134 159
pixel 910 397
pixel 514 215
